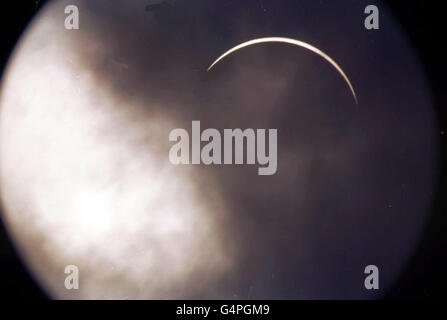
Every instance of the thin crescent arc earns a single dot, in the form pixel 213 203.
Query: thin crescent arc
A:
pixel 294 42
